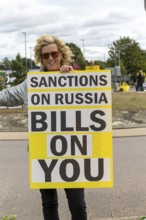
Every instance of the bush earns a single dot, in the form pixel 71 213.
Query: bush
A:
pixel 8 217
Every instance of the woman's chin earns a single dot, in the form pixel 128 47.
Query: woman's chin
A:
pixel 52 68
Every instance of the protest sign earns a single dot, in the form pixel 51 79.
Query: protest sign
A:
pixel 70 129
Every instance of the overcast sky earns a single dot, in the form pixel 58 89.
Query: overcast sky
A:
pixel 94 23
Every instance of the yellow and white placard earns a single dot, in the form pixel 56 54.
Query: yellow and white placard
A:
pixel 70 129
pixel 93 67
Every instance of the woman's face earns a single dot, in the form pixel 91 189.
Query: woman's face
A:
pixel 51 57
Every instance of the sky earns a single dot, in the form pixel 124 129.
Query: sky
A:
pixel 92 25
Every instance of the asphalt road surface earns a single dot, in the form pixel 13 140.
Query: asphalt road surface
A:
pixel 127 198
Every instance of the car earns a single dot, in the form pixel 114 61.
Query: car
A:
pixel 144 86
pixel 124 87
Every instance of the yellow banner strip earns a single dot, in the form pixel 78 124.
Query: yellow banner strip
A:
pixel 67 107
pixel 68 89
pixel 75 71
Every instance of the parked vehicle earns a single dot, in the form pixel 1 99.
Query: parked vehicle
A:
pixel 124 87
pixel 144 86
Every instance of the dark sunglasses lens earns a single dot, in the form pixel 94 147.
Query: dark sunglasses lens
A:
pixel 53 54
pixel 45 56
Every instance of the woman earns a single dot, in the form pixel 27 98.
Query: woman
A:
pixel 140 78
pixel 53 55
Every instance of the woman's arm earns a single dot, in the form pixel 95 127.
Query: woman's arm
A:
pixel 14 96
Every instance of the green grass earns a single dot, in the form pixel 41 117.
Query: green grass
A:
pixel 129 100
pixel 8 217
pixel 120 101
pixel 12 110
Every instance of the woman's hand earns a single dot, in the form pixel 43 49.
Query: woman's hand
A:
pixel 66 69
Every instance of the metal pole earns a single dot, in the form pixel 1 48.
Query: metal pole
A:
pixel 25 49
pixel 83 46
pixel 120 61
pixel 145 4
pixel 30 58
pixel 119 58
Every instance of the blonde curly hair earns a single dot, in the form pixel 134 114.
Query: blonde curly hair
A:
pixel 44 40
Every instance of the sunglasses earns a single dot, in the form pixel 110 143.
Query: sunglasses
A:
pixel 53 54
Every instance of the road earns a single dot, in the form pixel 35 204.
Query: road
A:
pixel 127 198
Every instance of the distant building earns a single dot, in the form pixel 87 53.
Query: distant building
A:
pixel 117 77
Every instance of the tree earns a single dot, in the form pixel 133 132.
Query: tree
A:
pixel 77 54
pixel 128 54
pixel 100 63
pixel 6 63
pixel 30 63
pixel 18 70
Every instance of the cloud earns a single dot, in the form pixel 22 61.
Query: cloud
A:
pixel 99 23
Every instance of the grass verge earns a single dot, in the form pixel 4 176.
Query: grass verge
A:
pixel 120 101
pixel 129 101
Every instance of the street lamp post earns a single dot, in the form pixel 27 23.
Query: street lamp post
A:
pixel 25 49
pixel 83 46
pixel 30 58
pixel 119 58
